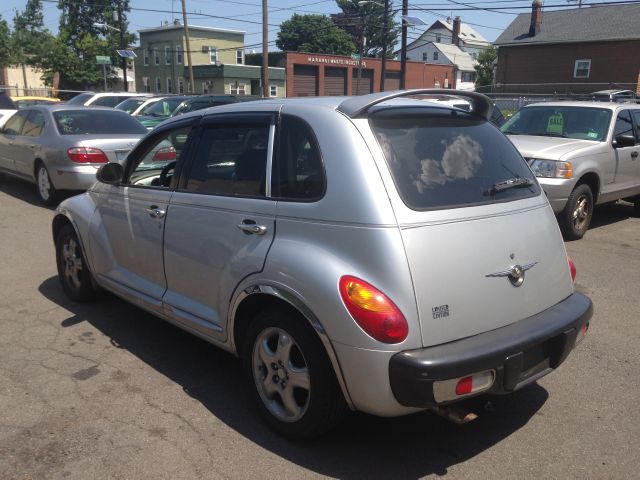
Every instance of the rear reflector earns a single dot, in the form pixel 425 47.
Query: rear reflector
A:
pixel 582 333
pixel 572 267
pixel 464 386
pixel 87 155
pixel 373 311
pixel 447 390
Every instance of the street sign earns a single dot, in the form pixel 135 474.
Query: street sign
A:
pixel 355 56
pixel 103 60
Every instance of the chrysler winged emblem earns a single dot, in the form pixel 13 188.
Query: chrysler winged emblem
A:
pixel 515 274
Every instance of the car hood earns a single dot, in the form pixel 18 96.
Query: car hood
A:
pixel 552 148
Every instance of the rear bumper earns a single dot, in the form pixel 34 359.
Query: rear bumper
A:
pixel 76 177
pixel 518 353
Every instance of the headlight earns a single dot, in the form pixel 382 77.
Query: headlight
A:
pixel 551 168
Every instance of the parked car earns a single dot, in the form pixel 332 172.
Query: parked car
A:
pixel 614 95
pixel 497 118
pixel 131 104
pixel 105 99
pixel 60 147
pixel 7 107
pixel 157 111
pixel 583 153
pixel 326 241
pixel 30 101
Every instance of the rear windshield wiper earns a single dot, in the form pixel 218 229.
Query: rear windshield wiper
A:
pixel 517 182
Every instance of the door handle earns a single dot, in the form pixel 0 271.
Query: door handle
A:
pixel 251 229
pixel 634 155
pixel 155 212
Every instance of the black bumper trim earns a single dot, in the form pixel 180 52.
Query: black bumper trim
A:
pixel 508 350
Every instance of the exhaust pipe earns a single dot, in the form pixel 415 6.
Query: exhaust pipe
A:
pixel 457 415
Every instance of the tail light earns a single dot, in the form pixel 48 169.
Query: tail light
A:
pixel 572 267
pixel 373 311
pixel 87 155
pixel 164 154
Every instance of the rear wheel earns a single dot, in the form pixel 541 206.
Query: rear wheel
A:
pixel 47 191
pixel 576 216
pixel 290 375
pixel 72 267
pixel 636 206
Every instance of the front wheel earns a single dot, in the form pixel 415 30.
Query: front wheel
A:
pixel 290 375
pixel 576 216
pixel 72 267
pixel 47 191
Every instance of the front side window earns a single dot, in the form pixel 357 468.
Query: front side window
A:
pixel 240 57
pixel 583 123
pixel 15 123
pixel 449 158
pixel 231 160
pixel 624 125
pixel 33 125
pixel 213 54
pixel 582 68
pixel 298 173
pixel 155 166
pixel 636 117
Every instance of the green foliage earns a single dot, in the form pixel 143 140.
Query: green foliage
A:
pixel 5 44
pixel 313 34
pixel 367 21
pixel 484 68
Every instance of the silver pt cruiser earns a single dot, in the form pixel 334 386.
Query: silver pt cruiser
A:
pixel 380 253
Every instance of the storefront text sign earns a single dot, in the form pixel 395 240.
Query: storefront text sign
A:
pixel 336 61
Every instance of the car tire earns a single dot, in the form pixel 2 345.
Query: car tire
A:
pixel 290 375
pixel 636 206
pixel 73 273
pixel 576 216
pixel 46 190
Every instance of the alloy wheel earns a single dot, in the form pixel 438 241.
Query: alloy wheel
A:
pixel 72 263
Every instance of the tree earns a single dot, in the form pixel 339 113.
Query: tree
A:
pixel 313 34
pixel 484 68
pixel 367 22
pixel 5 44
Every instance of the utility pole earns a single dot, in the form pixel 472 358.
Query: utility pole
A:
pixel 186 36
pixel 265 50
pixel 385 26
pixel 403 48
pixel 123 46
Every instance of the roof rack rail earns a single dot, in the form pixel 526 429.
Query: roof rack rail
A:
pixel 357 107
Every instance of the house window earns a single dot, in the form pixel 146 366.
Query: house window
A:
pixel 213 54
pixel 178 54
pixel 237 88
pixel 468 76
pixel 582 69
pixel 145 82
pixel 180 85
pixel 169 85
pixel 158 85
pixel 189 86
pixel 156 56
pixel 146 57
pixel 438 38
pixel 273 90
pixel 240 57
pixel 425 56
pixel 205 87
pixel 167 55
pixel 435 56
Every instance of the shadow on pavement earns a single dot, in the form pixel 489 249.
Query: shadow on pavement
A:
pixel 363 447
pixel 609 213
pixel 28 192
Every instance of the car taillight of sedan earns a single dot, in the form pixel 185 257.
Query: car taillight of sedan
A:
pixel 87 155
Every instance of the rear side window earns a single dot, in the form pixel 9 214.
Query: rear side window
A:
pixel 447 159
pixel 297 166
pixel 108 101
pixel 624 125
pixel 84 122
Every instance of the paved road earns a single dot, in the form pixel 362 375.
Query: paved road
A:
pixel 107 391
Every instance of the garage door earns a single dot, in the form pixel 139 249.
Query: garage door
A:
pixel 335 81
pixel 305 81
pixel 392 81
pixel 366 82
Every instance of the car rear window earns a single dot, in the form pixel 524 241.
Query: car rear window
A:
pixel 83 122
pixel 448 158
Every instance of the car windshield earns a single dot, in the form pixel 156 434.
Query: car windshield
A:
pixel 447 158
pixel 79 99
pixel 83 122
pixel 162 108
pixel 584 123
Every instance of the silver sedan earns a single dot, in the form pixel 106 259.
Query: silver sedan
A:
pixel 61 147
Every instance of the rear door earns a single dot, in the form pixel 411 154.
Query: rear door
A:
pixel 10 139
pixel 482 244
pixel 221 219
pixel 29 143
pixel 127 230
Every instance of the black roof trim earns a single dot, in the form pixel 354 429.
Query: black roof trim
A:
pixel 357 107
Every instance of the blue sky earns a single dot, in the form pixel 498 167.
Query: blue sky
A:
pixel 246 15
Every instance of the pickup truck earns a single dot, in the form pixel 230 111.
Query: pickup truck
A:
pixel 583 154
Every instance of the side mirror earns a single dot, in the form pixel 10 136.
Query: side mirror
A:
pixel 622 141
pixel 110 173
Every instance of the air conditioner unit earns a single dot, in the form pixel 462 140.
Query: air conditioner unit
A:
pixel 205 49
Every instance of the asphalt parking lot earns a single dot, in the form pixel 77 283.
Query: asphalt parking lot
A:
pixel 105 390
